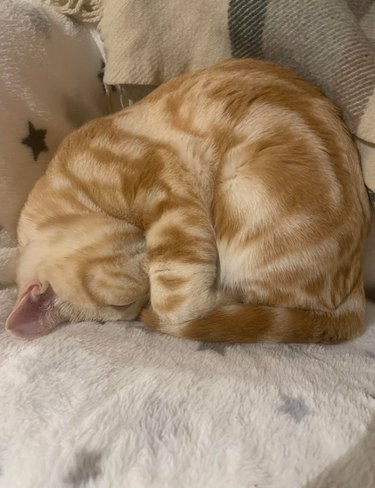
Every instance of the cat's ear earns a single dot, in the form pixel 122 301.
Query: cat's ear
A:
pixel 34 313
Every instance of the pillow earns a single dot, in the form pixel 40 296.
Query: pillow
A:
pixel 46 92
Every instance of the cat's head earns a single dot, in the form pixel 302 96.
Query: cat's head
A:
pixel 77 267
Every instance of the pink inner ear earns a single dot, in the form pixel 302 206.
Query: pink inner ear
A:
pixel 34 313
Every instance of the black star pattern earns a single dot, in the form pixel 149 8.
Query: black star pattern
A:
pixel 35 140
pixel 87 468
pixel 295 407
pixel 219 348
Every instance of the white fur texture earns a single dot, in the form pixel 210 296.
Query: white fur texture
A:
pixel 112 405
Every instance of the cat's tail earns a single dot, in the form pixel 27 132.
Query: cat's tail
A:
pixel 258 323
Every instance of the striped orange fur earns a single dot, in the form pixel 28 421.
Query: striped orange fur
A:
pixel 230 199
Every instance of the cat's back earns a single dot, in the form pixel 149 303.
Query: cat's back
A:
pixel 224 96
pixel 215 116
pixel 199 127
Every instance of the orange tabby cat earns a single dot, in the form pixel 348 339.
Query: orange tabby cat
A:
pixel 231 199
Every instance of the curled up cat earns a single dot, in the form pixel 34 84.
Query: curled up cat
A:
pixel 228 205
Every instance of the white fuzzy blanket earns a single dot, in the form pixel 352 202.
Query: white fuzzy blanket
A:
pixel 116 406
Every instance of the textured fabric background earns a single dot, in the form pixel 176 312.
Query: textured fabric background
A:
pixel 149 42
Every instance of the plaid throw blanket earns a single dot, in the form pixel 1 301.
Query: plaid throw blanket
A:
pixel 329 42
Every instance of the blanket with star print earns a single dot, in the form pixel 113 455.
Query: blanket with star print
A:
pixel 117 406
pixel 46 90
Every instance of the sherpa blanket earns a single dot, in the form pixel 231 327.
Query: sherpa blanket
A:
pixel 49 85
pixel 329 42
pixel 116 406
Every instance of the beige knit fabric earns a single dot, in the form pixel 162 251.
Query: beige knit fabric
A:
pixel 81 10
pixel 149 41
